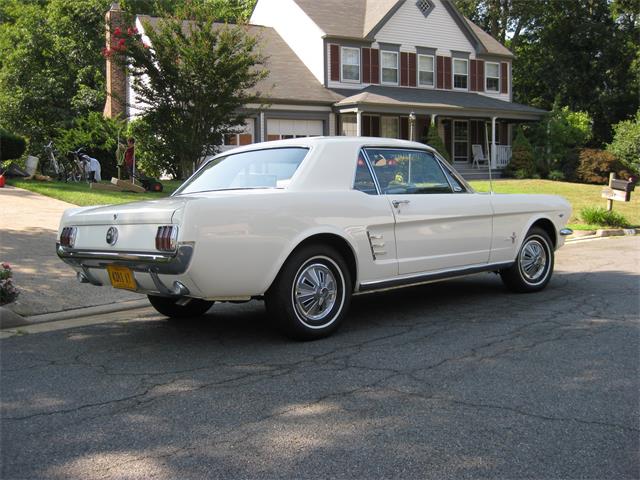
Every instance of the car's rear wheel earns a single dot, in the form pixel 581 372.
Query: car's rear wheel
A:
pixel 311 295
pixel 533 267
pixel 170 307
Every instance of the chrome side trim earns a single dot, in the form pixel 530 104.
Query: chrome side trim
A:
pixel 566 231
pixel 420 278
pixel 174 263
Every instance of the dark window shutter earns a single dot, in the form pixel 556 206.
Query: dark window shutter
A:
pixel 366 65
pixel 334 53
pixel 480 67
pixel 375 65
pixel 447 73
pixel 504 78
pixel 412 69
pixel 404 69
pixel 440 72
pixel 404 128
pixel 474 75
pixel 375 126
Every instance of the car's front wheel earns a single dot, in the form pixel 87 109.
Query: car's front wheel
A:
pixel 171 307
pixel 533 267
pixel 311 295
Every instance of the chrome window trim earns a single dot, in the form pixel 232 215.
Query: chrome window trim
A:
pixel 436 157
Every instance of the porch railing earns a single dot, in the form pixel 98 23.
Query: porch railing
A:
pixel 503 156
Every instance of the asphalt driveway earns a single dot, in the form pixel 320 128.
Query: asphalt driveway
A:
pixel 454 380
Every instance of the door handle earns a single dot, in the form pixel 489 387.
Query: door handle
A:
pixel 397 203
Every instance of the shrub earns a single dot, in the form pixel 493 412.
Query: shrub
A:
pixel 8 291
pixel 626 143
pixel 595 165
pixel 523 163
pixel 434 140
pixel 556 175
pixel 11 146
pixel 97 135
pixel 153 157
pixel 603 217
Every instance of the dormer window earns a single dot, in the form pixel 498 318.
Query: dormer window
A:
pixel 492 74
pixel 425 6
pixel 389 63
pixel 350 64
pixel 460 74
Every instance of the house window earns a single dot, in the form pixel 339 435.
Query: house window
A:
pixel 492 74
pixel 425 70
pixel 389 127
pixel 390 67
pixel 460 73
pixel 425 6
pixel 238 139
pixel 350 64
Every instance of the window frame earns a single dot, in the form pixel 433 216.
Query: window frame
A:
pixel 433 71
pixel 487 77
pixel 446 171
pixel 453 74
pixel 382 67
pixel 343 64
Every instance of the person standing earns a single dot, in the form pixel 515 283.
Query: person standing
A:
pixel 130 157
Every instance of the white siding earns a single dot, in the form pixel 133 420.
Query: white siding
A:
pixel 302 35
pixel 409 27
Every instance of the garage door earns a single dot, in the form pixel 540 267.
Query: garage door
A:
pixel 279 129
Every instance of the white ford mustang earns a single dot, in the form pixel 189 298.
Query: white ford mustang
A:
pixel 305 224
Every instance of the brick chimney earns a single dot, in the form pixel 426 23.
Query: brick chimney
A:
pixel 116 74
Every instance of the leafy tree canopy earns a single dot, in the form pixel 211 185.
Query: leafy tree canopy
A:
pixel 192 81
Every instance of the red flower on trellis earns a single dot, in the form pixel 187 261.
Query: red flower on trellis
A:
pixel 117 32
pixel 132 31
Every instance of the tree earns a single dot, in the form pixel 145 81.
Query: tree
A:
pixel 582 54
pixel 433 139
pixel 523 163
pixel 192 81
pixel 50 64
pixel 626 143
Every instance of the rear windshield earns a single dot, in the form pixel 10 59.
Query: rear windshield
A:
pixel 269 168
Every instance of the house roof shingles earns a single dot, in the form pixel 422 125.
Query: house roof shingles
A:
pixel 283 66
pixel 432 99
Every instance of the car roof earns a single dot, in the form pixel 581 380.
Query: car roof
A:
pixel 335 140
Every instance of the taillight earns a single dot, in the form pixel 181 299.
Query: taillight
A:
pixel 167 238
pixel 68 236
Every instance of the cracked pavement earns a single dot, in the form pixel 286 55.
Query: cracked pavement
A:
pixel 453 380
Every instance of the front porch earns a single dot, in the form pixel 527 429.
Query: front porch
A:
pixel 476 130
pixel 472 143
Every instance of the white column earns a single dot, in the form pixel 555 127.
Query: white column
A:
pixel 493 142
pixel 359 123
pixel 263 129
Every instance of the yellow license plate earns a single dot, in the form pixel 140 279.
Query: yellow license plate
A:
pixel 121 277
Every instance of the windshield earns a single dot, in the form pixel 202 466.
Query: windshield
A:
pixel 269 168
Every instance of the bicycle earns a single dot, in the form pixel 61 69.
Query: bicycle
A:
pixel 51 167
pixel 78 171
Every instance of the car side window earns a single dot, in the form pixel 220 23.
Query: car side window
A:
pixel 455 183
pixel 401 172
pixel 363 180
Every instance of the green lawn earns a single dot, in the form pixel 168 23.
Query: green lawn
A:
pixel 80 194
pixel 578 194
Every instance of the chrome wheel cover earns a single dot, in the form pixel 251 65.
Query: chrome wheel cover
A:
pixel 315 292
pixel 533 260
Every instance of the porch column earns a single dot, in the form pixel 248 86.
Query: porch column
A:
pixel 493 142
pixel 359 123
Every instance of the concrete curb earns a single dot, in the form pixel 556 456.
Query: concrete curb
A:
pixel 12 320
pixel 600 233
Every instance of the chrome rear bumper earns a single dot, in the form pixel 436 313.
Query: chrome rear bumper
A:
pixel 154 264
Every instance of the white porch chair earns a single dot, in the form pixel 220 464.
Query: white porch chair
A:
pixel 478 156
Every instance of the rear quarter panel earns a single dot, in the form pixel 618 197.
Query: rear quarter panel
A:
pixel 242 241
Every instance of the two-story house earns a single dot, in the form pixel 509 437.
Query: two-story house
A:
pixel 384 68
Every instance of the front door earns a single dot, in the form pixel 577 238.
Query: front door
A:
pixel 438 224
